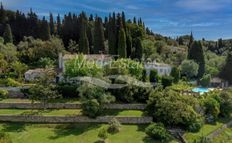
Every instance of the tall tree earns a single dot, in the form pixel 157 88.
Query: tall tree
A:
pixel 196 53
pixel 191 39
pixel 227 69
pixel 83 41
pixel 51 24
pixel 58 21
pixel 44 30
pixel 99 39
pixel 2 14
pixel 8 38
pixel 112 35
pixel 128 44
pixel 122 44
pixel 138 49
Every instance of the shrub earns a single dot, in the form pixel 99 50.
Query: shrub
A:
pixel 4 138
pixel 153 76
pixel 189 68
pixel 91 108
pixel 125 67
pixel 225 100
pixel 12 82
pixel 3 93
pixel 158 132
pixel 205 80
pixel 114 126
pixel 212 107
pixel 102 134
pixel 175 73
pixel 68 90
pixel 167 81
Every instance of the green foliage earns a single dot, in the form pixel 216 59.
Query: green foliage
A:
pixel 9 52
pixel 203 140
pixel 19 68
pixel 138 51
pixel 133 91
pixel 3 93
pixel 205 80
pixel 43 93
pixel 80 66
pixel 171 108
pixel 103 135
pixel 227 69
pixel 122 44
pixel 189 68
pixel 125 67
pixel 212 107
pixel 160 47
pixel 68 90
pixel 8 37
pixel 46 63
pixel 166 81
pixel 144 75
pixel 32 50
pixel 99 45
pixel 225 100
pixel 114 126
pixel 196 53
pixel 91 108
pixel 4 138
pixel 175 73
pixel 83 41
pixel 158 132
pixel 153 77
pixel 11 82
pixel 93 98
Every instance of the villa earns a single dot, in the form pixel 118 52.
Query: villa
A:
pixel 162 69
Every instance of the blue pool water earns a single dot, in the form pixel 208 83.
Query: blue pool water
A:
pixel 200 90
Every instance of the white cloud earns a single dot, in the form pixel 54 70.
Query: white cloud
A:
pixel 203 5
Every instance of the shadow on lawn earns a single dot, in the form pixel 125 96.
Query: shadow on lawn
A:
pixel 76 129
pixel 13 127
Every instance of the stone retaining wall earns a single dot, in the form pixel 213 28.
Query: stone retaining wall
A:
pixel 68 106
pixel 72 119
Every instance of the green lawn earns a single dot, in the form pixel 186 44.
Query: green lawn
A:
pixel 75 133
pixel 224 137
pixel 12 100
pixel 69 112
pixel 205 130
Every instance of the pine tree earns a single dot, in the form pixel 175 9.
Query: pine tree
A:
pixel 227 69
pixel 8 38
pixel 51 24
pixel 122 44
pixel 83 41
pixel 196 53
pixel 99 39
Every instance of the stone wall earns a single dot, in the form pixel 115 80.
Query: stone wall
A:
pixel 68 106
pixel 72 119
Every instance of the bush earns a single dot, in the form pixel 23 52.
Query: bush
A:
pixel 4 138
pixel 91 108
pixel 12 82
pixel 167 81
pixel 158 132
pixel 103 135
pixel 175 73
pixel 114 126
pixel 212 107
pixel 205 80
pixel 3 93
pixel 225 100
pixel 68 90
pixel 153 76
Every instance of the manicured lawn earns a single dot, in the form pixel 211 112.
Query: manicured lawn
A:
pixel 224 137
pixel 205 130
pixel 66 112
pixel 12 100
pixel 75 133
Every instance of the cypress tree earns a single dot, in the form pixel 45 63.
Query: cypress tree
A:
pixel 83 41
pixel 196 53
pixel 128 44
pixel 58 25
pixel 99 39
pixel 8 38
pixel 138 49
pixel 51 24
pixel 122 44
pixel 112 35
pixel 227 69
pixel 44 30
pixel 191 39
pixel 2 15
pixel 124 21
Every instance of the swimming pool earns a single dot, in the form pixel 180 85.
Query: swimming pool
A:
pixel 200 90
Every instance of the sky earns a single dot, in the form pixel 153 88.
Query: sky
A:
pixel 209 19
